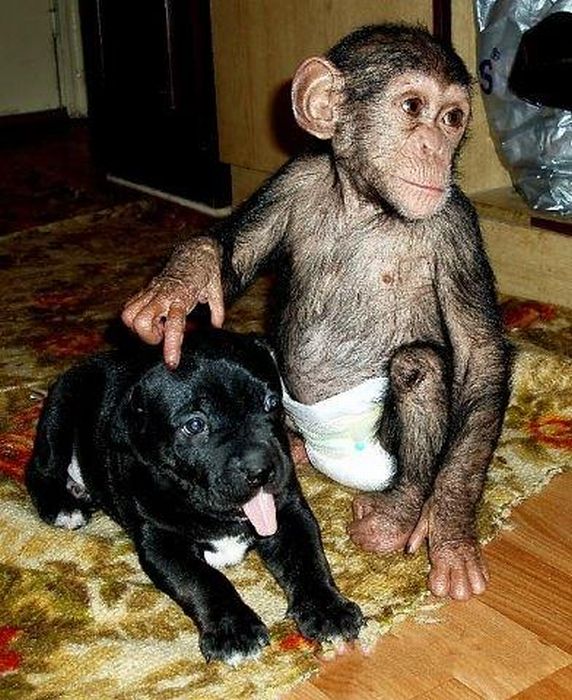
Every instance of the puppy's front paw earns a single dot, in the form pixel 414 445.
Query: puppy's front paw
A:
pixel 70 520
pixel 328 618
pixel 234 639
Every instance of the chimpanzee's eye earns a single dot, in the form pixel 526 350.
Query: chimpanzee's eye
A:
pixel 454 118
pixel 194 426
pixel 271 402
pixel 412 106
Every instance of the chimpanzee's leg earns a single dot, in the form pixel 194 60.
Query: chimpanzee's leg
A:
pixel 414 428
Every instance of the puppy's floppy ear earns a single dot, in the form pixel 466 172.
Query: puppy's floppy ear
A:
pixel 135 409
pixel 133 424
pixel 259 340
pixel 262 342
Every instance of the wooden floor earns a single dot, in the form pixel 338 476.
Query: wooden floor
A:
pixel 513 642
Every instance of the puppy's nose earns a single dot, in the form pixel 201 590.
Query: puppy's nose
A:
pixel 258 476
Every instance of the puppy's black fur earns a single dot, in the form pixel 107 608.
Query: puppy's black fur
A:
pixel 173 456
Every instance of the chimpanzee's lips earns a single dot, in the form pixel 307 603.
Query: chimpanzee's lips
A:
pixel 429 188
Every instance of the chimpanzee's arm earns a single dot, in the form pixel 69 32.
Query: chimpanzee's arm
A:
pixel 238 247
pixel 255 231
pixel 480 375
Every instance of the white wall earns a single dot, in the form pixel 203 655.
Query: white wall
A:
pixel 28 71
pixel 28 66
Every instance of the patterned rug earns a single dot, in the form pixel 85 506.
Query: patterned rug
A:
pixel 78 618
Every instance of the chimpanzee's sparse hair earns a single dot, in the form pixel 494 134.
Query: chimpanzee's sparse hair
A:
pixel 373 55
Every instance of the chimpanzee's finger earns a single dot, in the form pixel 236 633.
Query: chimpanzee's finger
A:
pixel 216 303
pixel 148 322
pixel 134 306
pixel 174 332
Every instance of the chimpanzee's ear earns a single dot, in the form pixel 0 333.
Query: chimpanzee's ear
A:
pixel 317 90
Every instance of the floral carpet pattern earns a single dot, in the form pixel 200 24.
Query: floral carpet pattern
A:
pixel 78 618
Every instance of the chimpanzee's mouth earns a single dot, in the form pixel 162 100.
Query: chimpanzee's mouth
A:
pixel 428 188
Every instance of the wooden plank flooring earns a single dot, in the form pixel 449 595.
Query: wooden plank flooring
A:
pixel 513 642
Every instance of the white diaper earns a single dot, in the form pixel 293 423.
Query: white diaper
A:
pixel 339 435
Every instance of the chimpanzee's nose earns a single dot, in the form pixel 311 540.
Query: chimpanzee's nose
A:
pixel 258 476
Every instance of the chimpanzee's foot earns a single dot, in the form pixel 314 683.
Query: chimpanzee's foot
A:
pixel 458 569
pixel 384 522
pixel 297 449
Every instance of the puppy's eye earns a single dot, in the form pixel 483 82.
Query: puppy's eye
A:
pixel 194 426
pixel 271 402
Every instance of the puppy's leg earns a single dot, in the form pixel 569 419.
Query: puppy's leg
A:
pixel 229 630
pixel 296 558
pixel 60 499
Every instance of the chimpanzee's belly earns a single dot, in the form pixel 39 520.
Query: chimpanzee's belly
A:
pixel 335 336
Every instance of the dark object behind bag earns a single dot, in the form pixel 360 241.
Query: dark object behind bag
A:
pixel 542 70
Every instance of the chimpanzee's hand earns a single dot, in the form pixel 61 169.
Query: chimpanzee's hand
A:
pixel 159 311
pixel 458 569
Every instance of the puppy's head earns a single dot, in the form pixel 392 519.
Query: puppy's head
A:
pixel 214 427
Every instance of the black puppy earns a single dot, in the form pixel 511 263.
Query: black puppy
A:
pixel 194 464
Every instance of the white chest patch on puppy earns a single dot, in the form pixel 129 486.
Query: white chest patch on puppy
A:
pixel 74 471
pixel 75 484
pixel 228 551
pixel 70 520
pixel 73 519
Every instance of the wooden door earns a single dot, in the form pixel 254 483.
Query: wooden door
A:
pixel 151 95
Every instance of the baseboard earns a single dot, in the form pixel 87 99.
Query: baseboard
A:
pixel 190 204
pixel 13 126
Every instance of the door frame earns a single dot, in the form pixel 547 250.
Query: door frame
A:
pixel 69 56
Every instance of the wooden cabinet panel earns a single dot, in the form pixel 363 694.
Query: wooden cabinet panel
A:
pixel 258 44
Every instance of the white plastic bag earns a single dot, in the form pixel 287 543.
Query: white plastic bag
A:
pixel 536 142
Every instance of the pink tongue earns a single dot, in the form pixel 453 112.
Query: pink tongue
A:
pixel 261 511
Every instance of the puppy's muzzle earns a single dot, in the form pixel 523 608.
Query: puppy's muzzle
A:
pixel 256 465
